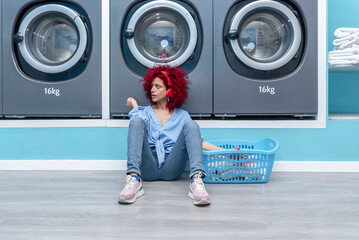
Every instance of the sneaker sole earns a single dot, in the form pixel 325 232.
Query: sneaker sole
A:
pixel 204 201
pixel 132 200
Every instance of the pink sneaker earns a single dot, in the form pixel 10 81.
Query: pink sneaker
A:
pixel 132 190
pixel 198 192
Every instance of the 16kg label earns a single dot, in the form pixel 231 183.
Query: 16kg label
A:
pixel 267 89
pixel 52 91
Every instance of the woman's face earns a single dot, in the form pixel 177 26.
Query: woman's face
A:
pixel 158 90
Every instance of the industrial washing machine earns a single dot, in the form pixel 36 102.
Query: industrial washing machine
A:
pixel 145 33
pixel 265 58
pixel 52 59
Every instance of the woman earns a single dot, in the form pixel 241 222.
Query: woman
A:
pixel 162 137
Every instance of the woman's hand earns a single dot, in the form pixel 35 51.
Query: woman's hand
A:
pixel 209 146
pixel 131 103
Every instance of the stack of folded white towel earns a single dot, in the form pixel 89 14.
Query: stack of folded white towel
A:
pixel 346 48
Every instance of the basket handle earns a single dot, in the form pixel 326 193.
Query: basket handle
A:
pixel 272 143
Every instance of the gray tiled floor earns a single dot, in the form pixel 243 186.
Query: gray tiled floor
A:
pixel 39 205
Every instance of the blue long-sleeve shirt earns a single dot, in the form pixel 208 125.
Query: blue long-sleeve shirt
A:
pixel 162 137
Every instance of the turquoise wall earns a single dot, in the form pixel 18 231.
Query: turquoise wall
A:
pixel 337 142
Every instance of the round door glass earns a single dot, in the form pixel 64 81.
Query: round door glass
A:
pixel 162 35
pixel 265 37
pixel 53 39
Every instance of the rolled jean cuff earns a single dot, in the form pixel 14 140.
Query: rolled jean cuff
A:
pixel 195 172
pixel 133 170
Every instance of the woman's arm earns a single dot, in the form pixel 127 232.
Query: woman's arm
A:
pixel 210 147
pixel 131 103
pixel 136 111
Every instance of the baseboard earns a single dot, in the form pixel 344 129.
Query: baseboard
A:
pixel 316 166
pixel 63 164
pixel 279 166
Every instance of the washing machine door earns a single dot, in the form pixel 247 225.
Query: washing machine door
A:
pixel 265 35
pixel 52 38
pixel 161 32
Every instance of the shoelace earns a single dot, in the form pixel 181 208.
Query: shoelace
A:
pixel 130 182
pixel 199 185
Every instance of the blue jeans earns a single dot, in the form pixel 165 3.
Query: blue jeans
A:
pixel 142 159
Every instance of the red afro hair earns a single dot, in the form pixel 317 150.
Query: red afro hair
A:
pixel 178 81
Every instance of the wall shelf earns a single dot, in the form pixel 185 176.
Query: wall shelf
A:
pixel 344 69
pixel 343 116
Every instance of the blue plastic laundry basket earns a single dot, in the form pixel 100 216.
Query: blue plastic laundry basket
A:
pixel 253 163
